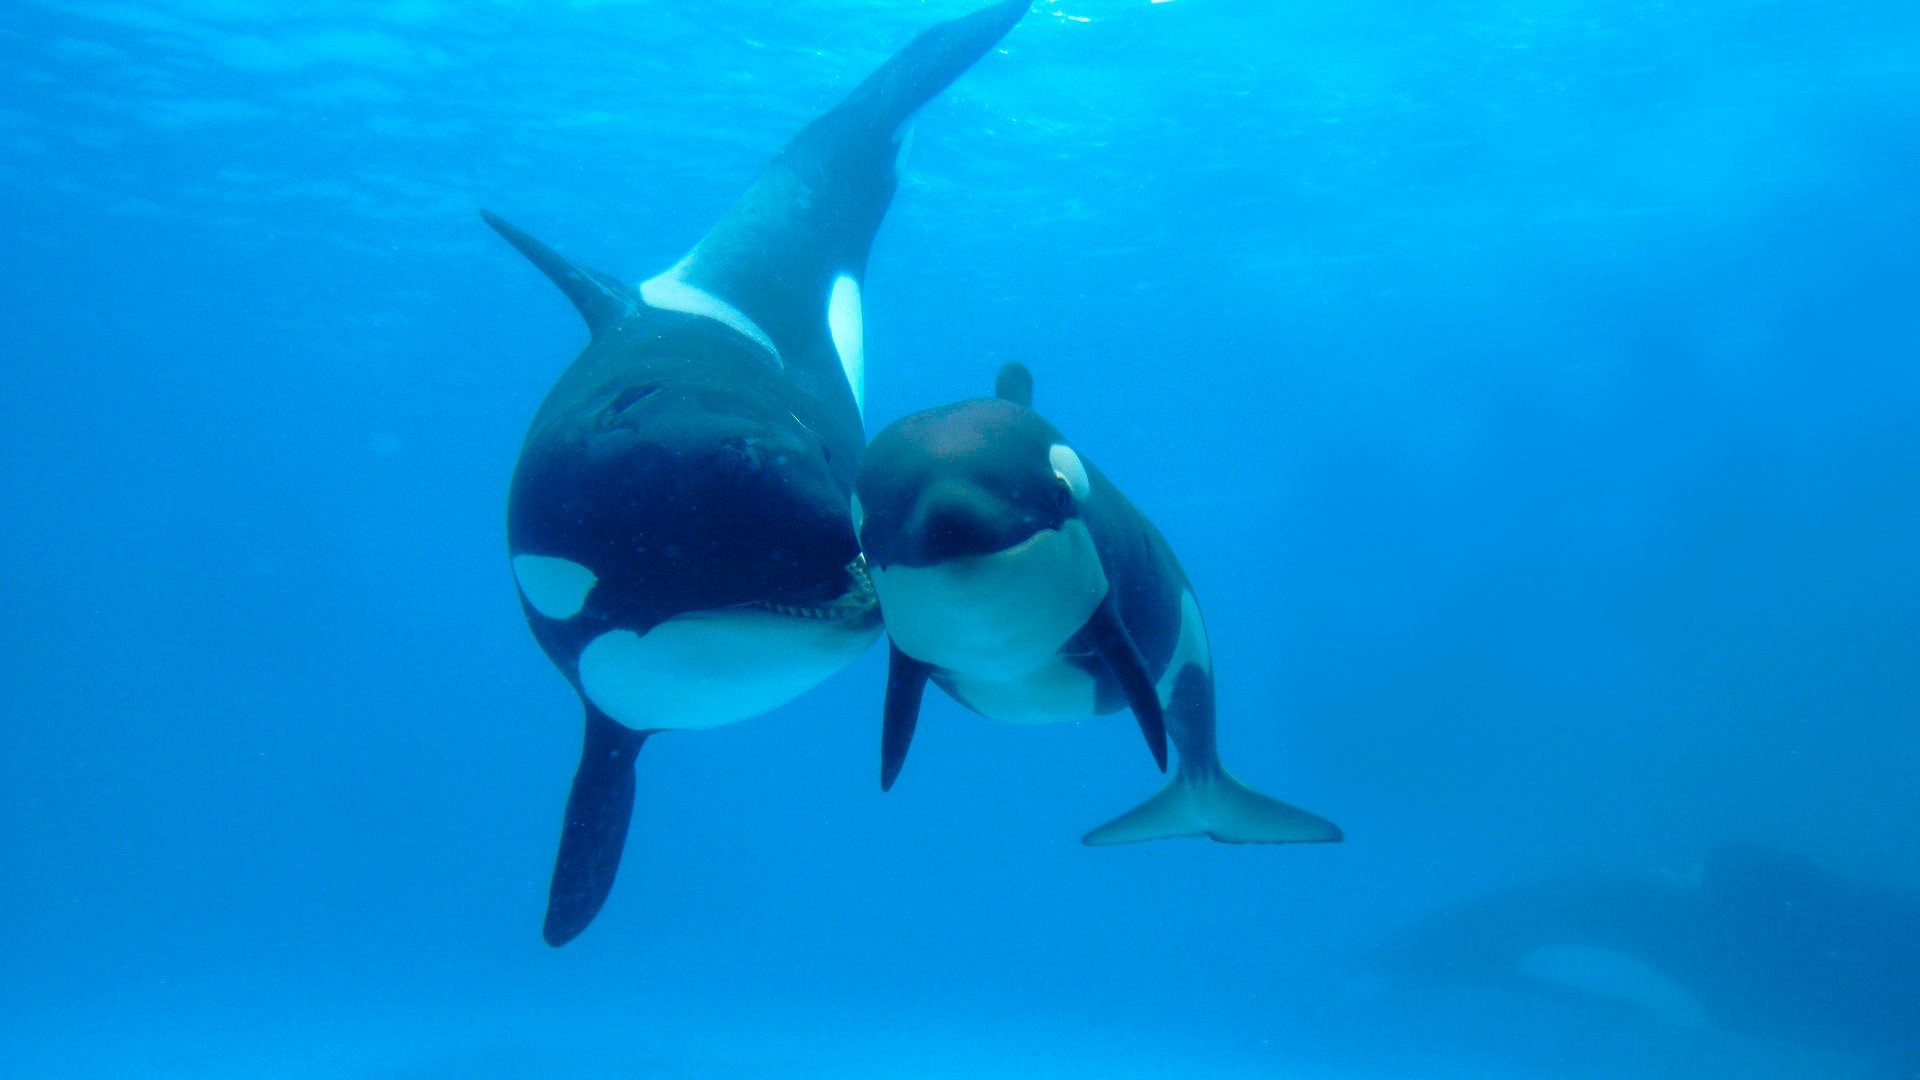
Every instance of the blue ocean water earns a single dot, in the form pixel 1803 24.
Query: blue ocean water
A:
pixel 1529 389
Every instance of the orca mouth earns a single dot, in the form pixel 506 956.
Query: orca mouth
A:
pixel 854 603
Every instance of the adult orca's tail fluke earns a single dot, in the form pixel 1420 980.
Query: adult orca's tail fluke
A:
pixel 599 809
pixel 1211 803
pixel 809 220
pixel 886 99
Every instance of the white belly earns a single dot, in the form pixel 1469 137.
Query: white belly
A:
pixel 1051 693
pixel 715 667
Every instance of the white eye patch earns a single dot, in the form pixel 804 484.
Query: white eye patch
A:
pixel 557 588
pixel 859 516
pixel 1066 466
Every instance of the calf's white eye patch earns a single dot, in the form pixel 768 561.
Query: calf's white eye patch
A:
pixel 1066 466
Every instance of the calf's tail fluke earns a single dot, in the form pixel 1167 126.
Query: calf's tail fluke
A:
pixel 1210 802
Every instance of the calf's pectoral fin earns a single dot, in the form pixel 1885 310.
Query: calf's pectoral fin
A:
pixel 1115 647
pixel 599 809
pixel 906 683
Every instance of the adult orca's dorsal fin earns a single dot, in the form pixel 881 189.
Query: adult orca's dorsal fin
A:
pixel 1015 384
pixel 601 299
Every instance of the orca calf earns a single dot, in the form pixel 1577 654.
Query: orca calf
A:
pixel 1018 579
pixel 678 520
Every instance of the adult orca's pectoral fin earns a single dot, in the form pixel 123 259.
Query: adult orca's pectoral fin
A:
pixel 1115 647
pixel 599 808
pixel 906 684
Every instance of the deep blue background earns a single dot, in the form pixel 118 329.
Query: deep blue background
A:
pixel 1529 388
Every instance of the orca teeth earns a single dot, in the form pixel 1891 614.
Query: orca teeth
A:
pixel 857 604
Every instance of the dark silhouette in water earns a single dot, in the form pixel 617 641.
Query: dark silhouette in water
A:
pixel 1760 942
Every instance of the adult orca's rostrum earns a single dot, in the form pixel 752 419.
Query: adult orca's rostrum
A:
pixel 678 520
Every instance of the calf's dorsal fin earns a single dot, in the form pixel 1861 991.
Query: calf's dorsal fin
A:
pixel 1015 384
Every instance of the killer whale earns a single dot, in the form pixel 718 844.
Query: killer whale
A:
pixel 1753 941
pixel 1016 577
pixel 677 521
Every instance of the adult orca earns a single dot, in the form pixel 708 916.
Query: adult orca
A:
pixel 1017 578
pixel 678 518
pixel 1754 942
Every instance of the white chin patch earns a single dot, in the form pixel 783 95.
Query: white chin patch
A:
pixel 714 667
pixel 557 588
pixel 846 325
pixel 1611 974
pixel 998 616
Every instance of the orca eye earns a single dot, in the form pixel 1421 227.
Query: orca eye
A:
pixel 1062 496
